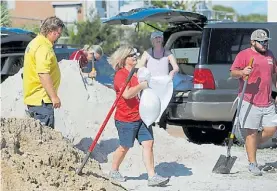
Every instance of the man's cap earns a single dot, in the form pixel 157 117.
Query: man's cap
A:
pixel 156 34
pixel 259 35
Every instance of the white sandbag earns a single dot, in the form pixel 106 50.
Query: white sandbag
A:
pixel 149 107
pixel 143 74
pixel 163 88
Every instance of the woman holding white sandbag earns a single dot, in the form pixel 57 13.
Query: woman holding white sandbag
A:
pixel 157 60
pixel 127 119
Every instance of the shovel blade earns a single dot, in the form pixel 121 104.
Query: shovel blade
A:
pixel 224 164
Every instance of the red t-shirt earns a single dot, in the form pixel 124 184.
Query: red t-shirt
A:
pixel 80 56
pixel 127 110
pixel 259 87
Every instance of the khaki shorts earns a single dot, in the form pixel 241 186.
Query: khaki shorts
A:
pixel 253 117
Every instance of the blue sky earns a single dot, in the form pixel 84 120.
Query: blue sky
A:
pixel 243 7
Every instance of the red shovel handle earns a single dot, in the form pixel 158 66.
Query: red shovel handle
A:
pixel 79 170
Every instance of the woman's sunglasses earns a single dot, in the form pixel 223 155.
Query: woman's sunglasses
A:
pixel 133 55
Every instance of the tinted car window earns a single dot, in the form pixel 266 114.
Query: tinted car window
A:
pixel 225 44
pixel 13 47
pixel 187 42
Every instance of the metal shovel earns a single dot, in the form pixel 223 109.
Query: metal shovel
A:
pixel 225 163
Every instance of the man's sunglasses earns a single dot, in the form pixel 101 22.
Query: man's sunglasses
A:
pixel 264 42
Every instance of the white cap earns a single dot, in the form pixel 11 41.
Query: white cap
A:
pixel 156 34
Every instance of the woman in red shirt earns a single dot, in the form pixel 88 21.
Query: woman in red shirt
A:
pixel 127 119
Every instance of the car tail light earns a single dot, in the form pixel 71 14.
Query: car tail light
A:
pixel 203 79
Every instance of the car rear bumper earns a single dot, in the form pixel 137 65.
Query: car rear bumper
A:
pixel 201 111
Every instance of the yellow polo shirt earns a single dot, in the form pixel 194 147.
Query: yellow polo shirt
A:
pixel 39 58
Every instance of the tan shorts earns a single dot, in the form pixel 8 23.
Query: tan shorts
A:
pixel 253 117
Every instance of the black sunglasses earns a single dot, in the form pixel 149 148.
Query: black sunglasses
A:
pixel 262 42
pixel 132 55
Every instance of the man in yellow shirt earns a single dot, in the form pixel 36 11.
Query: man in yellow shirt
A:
pixel 41 73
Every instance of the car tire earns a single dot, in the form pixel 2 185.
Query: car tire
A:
pixel 240 135
pixel 205 135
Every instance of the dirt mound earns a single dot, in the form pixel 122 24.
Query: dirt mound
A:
pixel 35 157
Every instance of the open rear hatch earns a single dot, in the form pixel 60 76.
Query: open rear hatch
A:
pixel 163 15
pixel 183 82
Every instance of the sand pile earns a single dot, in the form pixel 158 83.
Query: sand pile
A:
pixel 38 158
pixel 12 96
pixel 84 107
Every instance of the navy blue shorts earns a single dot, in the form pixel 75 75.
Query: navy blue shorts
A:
pixel 129 131
pixel 44 113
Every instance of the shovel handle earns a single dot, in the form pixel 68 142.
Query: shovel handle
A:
pixel 232 135
pixel 249 64
pixel 93 70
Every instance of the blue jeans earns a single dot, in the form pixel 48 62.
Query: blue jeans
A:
pixel 129 131
pixel 44 113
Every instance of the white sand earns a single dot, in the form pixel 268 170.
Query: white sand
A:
pixel 189 165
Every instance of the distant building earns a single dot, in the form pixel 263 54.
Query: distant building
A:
pixel 110 8
pixel 132 4
pixel 271 11
pixel 69 11
pixel 204 7
pixel 34 12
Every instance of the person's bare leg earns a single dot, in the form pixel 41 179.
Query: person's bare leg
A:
pixel 251 144
pixel 118 157
pixel 148 157
pixel 266 134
